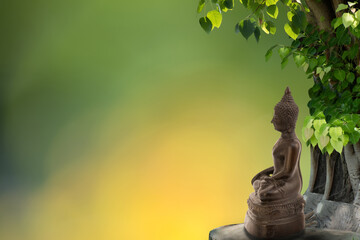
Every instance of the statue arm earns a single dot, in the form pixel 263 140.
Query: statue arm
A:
pixel 265 172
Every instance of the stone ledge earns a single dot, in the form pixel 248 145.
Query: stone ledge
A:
pixel 237 232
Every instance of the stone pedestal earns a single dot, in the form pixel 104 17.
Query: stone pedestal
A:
pixel 275 220
pixel 237 232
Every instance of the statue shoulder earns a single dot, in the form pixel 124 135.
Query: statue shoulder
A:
pixel 295 144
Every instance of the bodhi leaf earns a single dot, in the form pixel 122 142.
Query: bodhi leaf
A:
pixel 272 11
pixel 350 77
pixel 351 4
pixel 317 123
pixel 270 2
pixel 337 22
pixel 324 129
pixel 201 6
pixel 323 141
pixel 339 74
pixel 215 18
pixel 312 64
pixel 257 34
pixel 338 145
pixel 346 139
pixel 347 19
pixel 354 137
pixel 268 27
pixel 284 62
pixel 283 52
pixel 290 15
pixel 307 133
pixel 313 141
pixel 206 24
pixel 341 7
pixel 268 54
pixel 329 148
pixel 308 122
pixel 357 15
pixel 246 27
pixel 299 60
pixel 335 132
pixel 290 31
pixel 299 20
pixel 229 4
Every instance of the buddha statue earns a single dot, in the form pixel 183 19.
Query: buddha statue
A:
pixel 276 208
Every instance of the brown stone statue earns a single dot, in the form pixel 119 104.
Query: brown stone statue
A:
pixel 276 208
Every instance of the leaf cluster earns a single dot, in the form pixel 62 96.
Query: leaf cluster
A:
pixel 331 58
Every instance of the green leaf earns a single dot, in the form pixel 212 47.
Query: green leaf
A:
pixel 351 4
pixel 350 77
pixel 338 145
pixel 272 11
pixel 318 70
pixel 290 31
pixel 313 141
pixel 313 63
pixel 268 55
pixel 335 132
pixel 307 133
pixel 201 6
pixel 346 139
pixel 357 15
pixel 215 17
pixel 318 123
pixel 327 69
pixel 284 52
pixel 257 34
pixel 339 74
pixel 290 15
pixel 245 3
pixel 305 67
pixel 206 24
pixel 355 24
pixel 229 4
pixel 299 60
pixel 299 20
pixel 323 141
pixel 271 2
pixel 337 22
pixel 341 7
pixel 268 27
pixel 329 148
pixel 284 62
pixel 347 19
pixel 324 130
pixel 269 52
pixel 247 28
pixel 354 137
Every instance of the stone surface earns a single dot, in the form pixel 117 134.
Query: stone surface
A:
pixel 331 214
pixel 237 232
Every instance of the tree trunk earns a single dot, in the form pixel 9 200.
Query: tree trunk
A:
pixel 333 195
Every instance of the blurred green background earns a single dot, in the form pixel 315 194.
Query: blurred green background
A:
pixel 125 120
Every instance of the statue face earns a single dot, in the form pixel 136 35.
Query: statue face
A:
pixel 279 125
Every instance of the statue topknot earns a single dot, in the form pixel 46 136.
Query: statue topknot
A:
pixel 287 110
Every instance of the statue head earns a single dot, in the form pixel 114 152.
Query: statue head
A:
pixel 285 113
